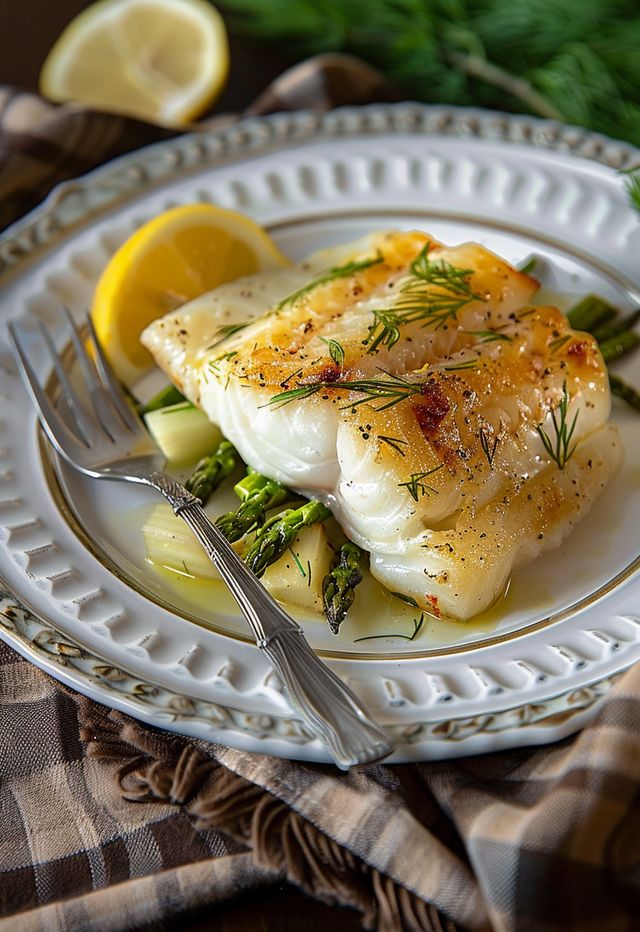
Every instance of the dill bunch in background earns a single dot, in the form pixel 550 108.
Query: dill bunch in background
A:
pixel 571 60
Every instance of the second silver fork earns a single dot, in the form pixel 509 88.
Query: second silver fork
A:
pixel 105 439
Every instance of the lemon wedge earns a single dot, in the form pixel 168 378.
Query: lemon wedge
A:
pixel 161 60
pixel 173 258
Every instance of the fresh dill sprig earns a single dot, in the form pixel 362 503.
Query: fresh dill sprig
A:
pixel 575 61
pixel 559 342
pixel 405 598
pixel 339 271
pixel 336 351
pixel 296 560
pixel 214 363
pixel 394 443
pixel 489 336
pixel 228 330
pixel 417 627
pixel 633 185
pixel 433 294
pixel 416 486
pixel 462 366
pixel 559 447
pixel 489 448
pixel 390 390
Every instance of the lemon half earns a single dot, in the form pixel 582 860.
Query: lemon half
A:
pixel 173 258
pixel 161 60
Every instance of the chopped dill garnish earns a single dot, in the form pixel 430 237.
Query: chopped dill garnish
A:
pixel 339 271
pixel 336 351
pixel 559 447
pixel 489 336
pixel 394 388
pixel 417 627
pixel 416 485
pixel 292 376
pixel 559 342
pixel 296 560
pixel 462 366
pixel 394 442
pixel 489 448
pixel 228 330
pixel 633 185
pixel 434 293
pixel 213 363
pixel 405 598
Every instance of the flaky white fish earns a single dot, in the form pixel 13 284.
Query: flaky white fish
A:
pixel 415 389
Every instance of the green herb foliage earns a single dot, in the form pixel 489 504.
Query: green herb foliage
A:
pixel 433 294
pixel 339 271
pixel 559 446
pixel 417 627
pixel 390 390
pixel 489 447
pixel 416 486
pixel 336 351
pixel 573 60
pixel 396 443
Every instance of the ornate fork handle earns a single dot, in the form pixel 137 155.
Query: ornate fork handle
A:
pixel 328 707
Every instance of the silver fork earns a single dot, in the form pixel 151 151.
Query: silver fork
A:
pixel 107 440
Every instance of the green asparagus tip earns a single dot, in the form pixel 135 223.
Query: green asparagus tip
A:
pixel 258 494
pixel 590 313
pixel 338 586
pixel 277 534
pixel 211 471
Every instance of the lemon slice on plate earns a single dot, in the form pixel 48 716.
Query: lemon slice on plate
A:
pixel 160 60
pixel 171 259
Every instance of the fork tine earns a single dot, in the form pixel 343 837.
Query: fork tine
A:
pixel 81 421
pixel 60 435
pixel 86 363
pixel 110 382
pixel 104 409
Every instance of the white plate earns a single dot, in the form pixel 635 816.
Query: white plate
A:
pixel 533 668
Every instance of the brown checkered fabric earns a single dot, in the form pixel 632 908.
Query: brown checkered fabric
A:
pixel 42 144
pixel 109 824
pixel 106 824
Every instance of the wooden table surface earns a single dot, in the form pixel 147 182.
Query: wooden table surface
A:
pixel 28 29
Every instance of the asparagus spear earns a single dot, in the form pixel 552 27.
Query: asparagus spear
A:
pixel 618 345
pixel 211 470
pixel 168 396
pixel 257 494
pixel 277 534
pixel 590 313
pixel 612 329
pixel 615 337
pixel 338 586
pixel 625 391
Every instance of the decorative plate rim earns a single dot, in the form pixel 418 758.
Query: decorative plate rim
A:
pixel 76 203
pixel 66 204
pixel 65 659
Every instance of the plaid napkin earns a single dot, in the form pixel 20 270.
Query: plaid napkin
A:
pixel 107 824
pixel 42 144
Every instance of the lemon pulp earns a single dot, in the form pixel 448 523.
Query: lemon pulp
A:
pixel 172 259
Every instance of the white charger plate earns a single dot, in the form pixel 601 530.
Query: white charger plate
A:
pixel 80 601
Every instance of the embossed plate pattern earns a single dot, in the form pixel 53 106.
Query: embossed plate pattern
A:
pixel 517 184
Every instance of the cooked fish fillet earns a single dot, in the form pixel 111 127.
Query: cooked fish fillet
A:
pixel 455 430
